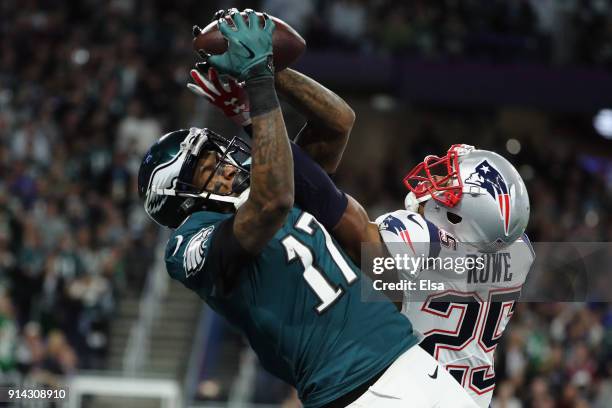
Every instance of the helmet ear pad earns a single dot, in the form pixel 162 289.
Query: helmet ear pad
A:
pixel 191 205
pixel 453 218
pixel 167 215
pixel 465 229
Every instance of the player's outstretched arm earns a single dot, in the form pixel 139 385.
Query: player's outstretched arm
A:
pixel 330 118
pixel 249 58
pixel 272 191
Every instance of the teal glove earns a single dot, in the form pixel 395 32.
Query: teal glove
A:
pixel 249 51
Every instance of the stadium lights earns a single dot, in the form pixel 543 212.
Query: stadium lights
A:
pixel 80 56
pixel 591 218
pixel 602 122
pixel 383 102
pixel 513 146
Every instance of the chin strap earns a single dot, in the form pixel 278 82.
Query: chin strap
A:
pixel 411 202
pixel 242 198
pixel 237 201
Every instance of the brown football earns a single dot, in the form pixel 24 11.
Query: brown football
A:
pixel 287 44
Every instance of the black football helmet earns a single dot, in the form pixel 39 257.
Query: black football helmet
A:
pixel 167 170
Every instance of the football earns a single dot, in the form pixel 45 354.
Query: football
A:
pixel 287 43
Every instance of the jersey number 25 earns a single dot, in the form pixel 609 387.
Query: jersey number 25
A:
pixel 497 310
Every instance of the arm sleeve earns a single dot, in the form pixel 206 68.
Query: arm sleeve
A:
pixel 315 192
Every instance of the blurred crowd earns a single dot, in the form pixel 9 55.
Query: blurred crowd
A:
pixel 546 31
pixel 82 95
pixel 556 355
pixel 86 87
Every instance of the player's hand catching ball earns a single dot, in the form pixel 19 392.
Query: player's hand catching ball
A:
pixel 230 97
pixel 249 52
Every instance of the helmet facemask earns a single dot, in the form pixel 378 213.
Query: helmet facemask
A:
pixel 438 177
pixel 233 152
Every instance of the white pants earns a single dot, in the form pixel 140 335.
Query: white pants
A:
pixel 415 380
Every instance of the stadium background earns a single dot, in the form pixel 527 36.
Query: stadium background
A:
pixel 87 86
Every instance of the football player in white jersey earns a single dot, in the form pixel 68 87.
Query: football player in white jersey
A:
pixel 479 209
pixel 468 203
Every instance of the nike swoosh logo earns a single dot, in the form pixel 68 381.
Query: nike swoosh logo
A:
pixel 249 50
pixel 179 241
pixel 434 375
pixel 411 218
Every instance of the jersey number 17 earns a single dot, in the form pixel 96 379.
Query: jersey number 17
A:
pixel 326 291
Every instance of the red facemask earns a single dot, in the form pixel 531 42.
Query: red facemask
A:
pixel 438 177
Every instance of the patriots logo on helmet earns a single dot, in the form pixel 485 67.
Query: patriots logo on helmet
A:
pixel 397 227
pixel 487 177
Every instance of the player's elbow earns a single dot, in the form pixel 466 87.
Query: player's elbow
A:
pixel 349 118
pixel 345 120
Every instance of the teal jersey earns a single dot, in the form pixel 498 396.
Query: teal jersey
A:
pixel 298 303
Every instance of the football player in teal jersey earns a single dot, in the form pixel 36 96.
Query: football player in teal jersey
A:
pixel 265 265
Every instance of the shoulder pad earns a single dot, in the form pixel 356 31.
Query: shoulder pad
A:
pixel 407 228
pixel 188 247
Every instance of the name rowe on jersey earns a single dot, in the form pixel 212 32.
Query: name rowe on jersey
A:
pixel 478 207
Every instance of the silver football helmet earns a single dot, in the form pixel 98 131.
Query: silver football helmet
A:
pixel 476 195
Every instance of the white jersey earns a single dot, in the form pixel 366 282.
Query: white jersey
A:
pixel 462 322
